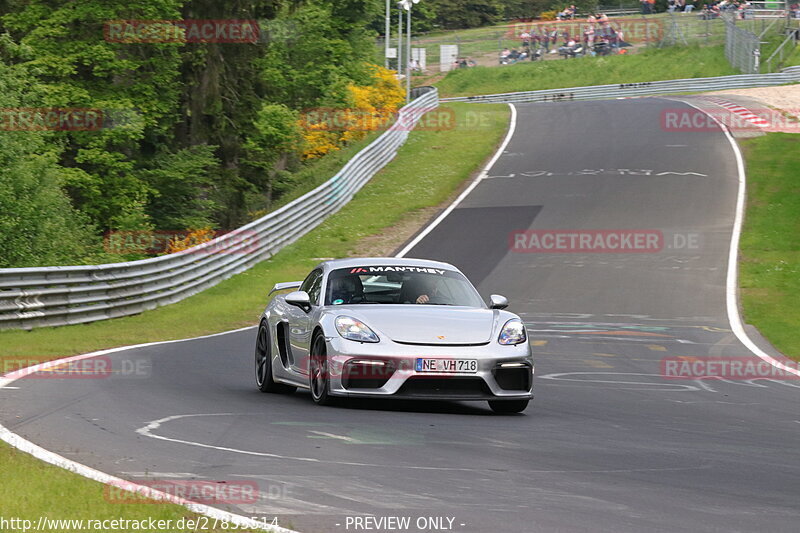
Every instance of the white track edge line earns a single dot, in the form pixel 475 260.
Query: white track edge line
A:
pixel 55 459
pixel 732 282
pixel 484 173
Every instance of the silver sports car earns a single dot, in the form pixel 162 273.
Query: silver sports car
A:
pixel 388 327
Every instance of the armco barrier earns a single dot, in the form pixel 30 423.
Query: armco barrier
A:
pixel 647 88
pixel 54 296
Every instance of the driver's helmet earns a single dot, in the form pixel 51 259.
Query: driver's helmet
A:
pixel 346 290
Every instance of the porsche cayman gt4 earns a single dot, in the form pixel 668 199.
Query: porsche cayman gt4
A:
pixel 393 328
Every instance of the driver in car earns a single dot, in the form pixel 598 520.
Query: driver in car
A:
pixel 347 290
pixel 420 290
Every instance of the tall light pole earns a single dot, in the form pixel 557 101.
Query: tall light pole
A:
pixel 386 33
pixel 399 39
pixel 407 4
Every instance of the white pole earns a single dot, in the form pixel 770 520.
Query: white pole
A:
pixel 387 34
pixel 408 67
pixel 399 40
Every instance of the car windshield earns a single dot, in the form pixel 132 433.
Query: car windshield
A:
pixel 400 285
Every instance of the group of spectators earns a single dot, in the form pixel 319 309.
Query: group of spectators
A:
pixel 597 35
pixel 568 13
pixel 710 10
pixel 715 9
pixel 685 6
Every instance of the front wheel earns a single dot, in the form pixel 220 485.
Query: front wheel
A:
pixel 264 379
pixel 318 372
pixel 508 406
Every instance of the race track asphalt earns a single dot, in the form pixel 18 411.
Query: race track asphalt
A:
pixel 608 444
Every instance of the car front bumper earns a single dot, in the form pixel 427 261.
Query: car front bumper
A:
pixel 387 369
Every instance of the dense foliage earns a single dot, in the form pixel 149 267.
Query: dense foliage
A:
pixel 459 14
pixel 194 134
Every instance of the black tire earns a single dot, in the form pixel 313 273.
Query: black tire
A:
pixel 318 382
pixel 264 379
pixel 508 406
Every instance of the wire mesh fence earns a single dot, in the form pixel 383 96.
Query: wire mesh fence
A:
pixel 733 28
pixel 779 56
pixel 742 48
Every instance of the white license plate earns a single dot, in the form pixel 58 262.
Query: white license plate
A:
pixel 446 365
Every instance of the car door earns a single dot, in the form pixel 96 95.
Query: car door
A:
pixel 300 324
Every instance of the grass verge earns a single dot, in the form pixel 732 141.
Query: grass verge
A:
pixel 649 65
pixel 769 275
pixel 426 172
pixel 33 489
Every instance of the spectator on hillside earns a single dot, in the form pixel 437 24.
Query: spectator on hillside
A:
pixel 588 36
pixel 568 13
pixel 535 39
pixel 525 37
pixel 465 62
pixel 645 7
pixel 689 6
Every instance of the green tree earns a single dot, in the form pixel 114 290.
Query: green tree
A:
pixel 63 43
pixel 467 13
pixel 38 225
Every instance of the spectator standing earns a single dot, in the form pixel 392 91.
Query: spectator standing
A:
pixel 689 6
pixel 526 39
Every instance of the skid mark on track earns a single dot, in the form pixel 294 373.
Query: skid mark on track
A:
pixel 148 431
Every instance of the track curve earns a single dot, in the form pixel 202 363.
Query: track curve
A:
pixel 607 444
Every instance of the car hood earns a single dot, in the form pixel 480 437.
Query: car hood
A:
pixel 424 324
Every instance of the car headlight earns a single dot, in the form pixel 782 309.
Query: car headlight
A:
pixel 354 330
pixel 513 332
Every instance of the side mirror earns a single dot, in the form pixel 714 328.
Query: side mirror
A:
pixel 299 299
pixel 498 302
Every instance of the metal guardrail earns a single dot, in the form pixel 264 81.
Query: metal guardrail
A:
pixel 647 88
pixel 54 296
